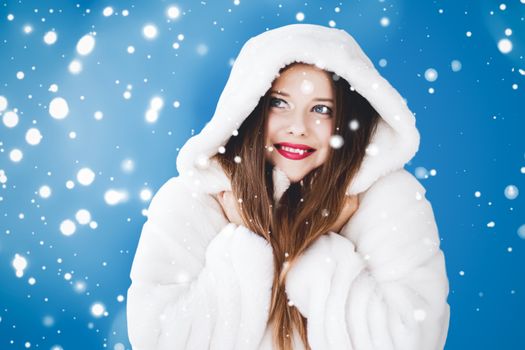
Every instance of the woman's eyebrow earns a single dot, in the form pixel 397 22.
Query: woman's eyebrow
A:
pixel 280 92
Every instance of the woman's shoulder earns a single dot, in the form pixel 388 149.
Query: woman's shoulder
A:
pixel 175 196
pixel 397 183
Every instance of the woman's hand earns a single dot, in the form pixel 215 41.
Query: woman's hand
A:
pixel 349 208
pixel 229 206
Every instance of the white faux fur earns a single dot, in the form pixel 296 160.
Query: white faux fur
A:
pixel 199 282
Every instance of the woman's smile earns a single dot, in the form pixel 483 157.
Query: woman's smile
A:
pixel 294 151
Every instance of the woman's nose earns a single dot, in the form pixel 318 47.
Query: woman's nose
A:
pixel 297 124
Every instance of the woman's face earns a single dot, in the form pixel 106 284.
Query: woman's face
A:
pixel 300 120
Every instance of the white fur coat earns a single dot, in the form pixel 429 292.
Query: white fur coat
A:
pixel 200 282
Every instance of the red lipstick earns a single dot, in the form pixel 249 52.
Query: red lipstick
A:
pixel 294 151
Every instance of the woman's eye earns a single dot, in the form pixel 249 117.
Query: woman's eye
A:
pixel 276 102
pixel 323 109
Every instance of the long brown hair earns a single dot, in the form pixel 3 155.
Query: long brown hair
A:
pixel 308 208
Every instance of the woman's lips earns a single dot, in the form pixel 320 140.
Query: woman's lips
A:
pixel 287 150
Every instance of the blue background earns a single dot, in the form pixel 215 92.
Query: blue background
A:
pixel 472 137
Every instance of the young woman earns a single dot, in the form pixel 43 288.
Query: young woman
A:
pixel 292 223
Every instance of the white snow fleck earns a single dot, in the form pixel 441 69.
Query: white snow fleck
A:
pixel 127 94
pixel 20 75
pixel 72 135
pixel 384 21
pixel 33 136
pixel 50 37
pixel 202 49
pixel 125 13
pixel 173 12
pixel 469 34
pixel 3 176
pixel 491 224
pixel 80 286
pixel 156 103
pixel 114 197
pixel 455 65
pixel 70 184
pixel 98 115
pixel 83 216
pixel 353 125
pixel 421 173
pixel 108 11
pixel 98 309
pixel 299 16
pixel 462 273
pixel 44 191
pixel 16 155
pixel 68 227
pixel 151 116
pixel 58 108
pixel 120 298
pixel 127 165
pixel 180 37
pixel 10 17
pixel 75 67
pixel 511 192
pixel 48 321
pixel 431 74
pixel 10 119
pixel 505 45
pixel 86 44
pixel 237 159
pixel 521 231
pixel 31 281
pixel 3 103
pixel 508 32
pixel 307 87
pixel 372 149
pixel 119 346
pixel 67 276
pixel 502 7
pixel 336 141
pixel 383 62
pixel 20 264
pixel 477 194
pixel 433 172
pixel 145 194
pixel 53 88
pixel 149 31
pixel 331 23
pixel 85 176
pixel 28 29
pixel 176 104
pixel 131 49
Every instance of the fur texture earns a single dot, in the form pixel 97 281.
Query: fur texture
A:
pixel 199 282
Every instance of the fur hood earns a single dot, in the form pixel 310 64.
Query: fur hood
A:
pixel 394 143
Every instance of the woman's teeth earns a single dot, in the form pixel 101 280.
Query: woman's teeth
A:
pixel 293 150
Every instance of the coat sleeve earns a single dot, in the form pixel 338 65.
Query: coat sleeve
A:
pixel 382 283
pixel 198 282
